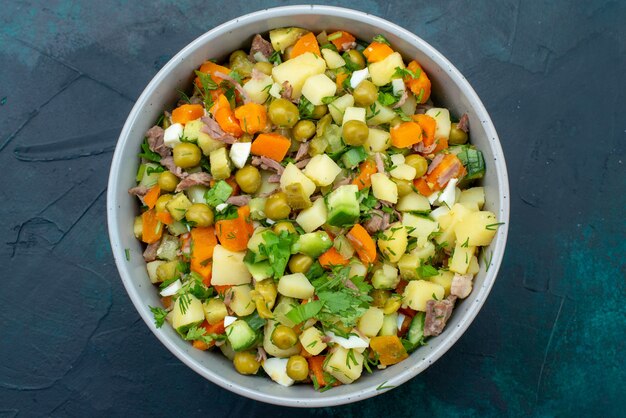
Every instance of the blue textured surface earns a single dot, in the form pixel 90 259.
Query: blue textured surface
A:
pixel 549 340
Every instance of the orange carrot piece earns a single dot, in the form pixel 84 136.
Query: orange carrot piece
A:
pixel 363 243
pixel 221 289
pixel 406 134
pixel 203 243
pixel 305 353
pixel 151 197
pixel 420 86
pixel 366 169
pixel 272 145
pixel 200 345
pixel 234 234
pixel 187 113
pixel 448 161
pixel 377 51
pixel 332 258
pixel 165 217
pixel 217 328
pixel 341 77
pixel 209 67
pixel 152 228
pixel 225 116
pixel 422 186
pixel 389 349
pixel 166 301
pixel 252 117
pixel 316 369
pixel 442 143
pixel 428 125
pixel 307 43
pixel 341 38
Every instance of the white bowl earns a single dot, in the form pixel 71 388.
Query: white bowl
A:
pixel 450 89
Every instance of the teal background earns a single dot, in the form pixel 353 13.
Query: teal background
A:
pixel 550 338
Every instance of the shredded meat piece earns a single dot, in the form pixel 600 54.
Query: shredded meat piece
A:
pixel 150 252
pixel 302 151
pixel 168 162
pixel 375 222
pixel 419 147
pixel 261 355
pixel 461 285
pixel 215 131
pixel 240 200
pixel 265 163
pixel 155 141
pixel 260 45
pixel 380 164
pixel 139 191
pixel 274 178
pixel 303 163
pixel 315 197
pixel 348 45
pixel 195 179
pixel 437 314
pixel 342 182
pixel 325 339
pixel 463 123
pixel 287 91
pixel 403 98
pixel 434 163
pixel 235 83
pixel 257 75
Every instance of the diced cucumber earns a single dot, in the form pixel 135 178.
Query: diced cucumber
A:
pixel 168 247
pixel 415 336
pixel 177 228
pixel 149 180
pixel 257 207
pixel 343 205
pixel 390 325
pixel 313 244
pixel 385 277
pixel 472 159
pixel 253 245
pixel 336 146
pixel 353 157
pixel 240 335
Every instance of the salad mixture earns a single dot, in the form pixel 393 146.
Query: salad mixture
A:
pixel 308 210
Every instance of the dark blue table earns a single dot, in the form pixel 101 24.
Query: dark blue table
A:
pixel 550 339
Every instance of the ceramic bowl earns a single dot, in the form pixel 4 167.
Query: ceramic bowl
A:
pixel 450 89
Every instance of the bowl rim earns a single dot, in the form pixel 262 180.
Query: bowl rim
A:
pixel 479 297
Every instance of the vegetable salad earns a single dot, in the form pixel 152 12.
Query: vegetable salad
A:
pixel 307 209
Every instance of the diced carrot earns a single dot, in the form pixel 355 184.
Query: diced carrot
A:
pixel 200 345
pixel 341 77
pixel 377 51
pixel 405 134
pixel 341 38
pixel 217 328
pixel 316 369
pixel 152 228
pixel 422 186
pixel 449 161
pixel 363 179
pixel 252 117
pixel 225 116
pixel 234 234
pixel 404 327
pixel 363 243
pixel 420 86
pixel 307 43
pixel 209 67
pixel 203 243
pixel 442 143
pixel 272 145
pixel 332 258
pixel 305 353
pixel 428 125
pixel 166 301
pixel 151 197
pixel 165 217
pixel 389 349
pixel 407 311
pixel 187 113
pixel 221 289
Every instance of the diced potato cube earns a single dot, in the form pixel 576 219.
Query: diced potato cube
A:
pixel 258 88
pixel 380 114
pixel 317 87
pixel 377 140
pixel 476 228
pixel 241 301
pixel 214 310
pixel 322 170
pixel 473 268
pixel 444 279
pixel 220 164
pixel 193 313
pixel 419 227
pixel 297 70
pixel 178 205
pixel 229 268
pixel 474 196
pixel 460 261
pixel 383 188
pixel 382 71
pixel 442 117
pixel 293 175
pixel 283 38
pixel 333 59
pixel 312 218
pixel 311 341
pixel 371 322
pixel 403 172
pixel 295 286
pixel 354 113
pixel 345 365
pixel 393 242
pixel 208 144
pixel 339 106
pixel 418 292
pixel 413 202
pixel 152 267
